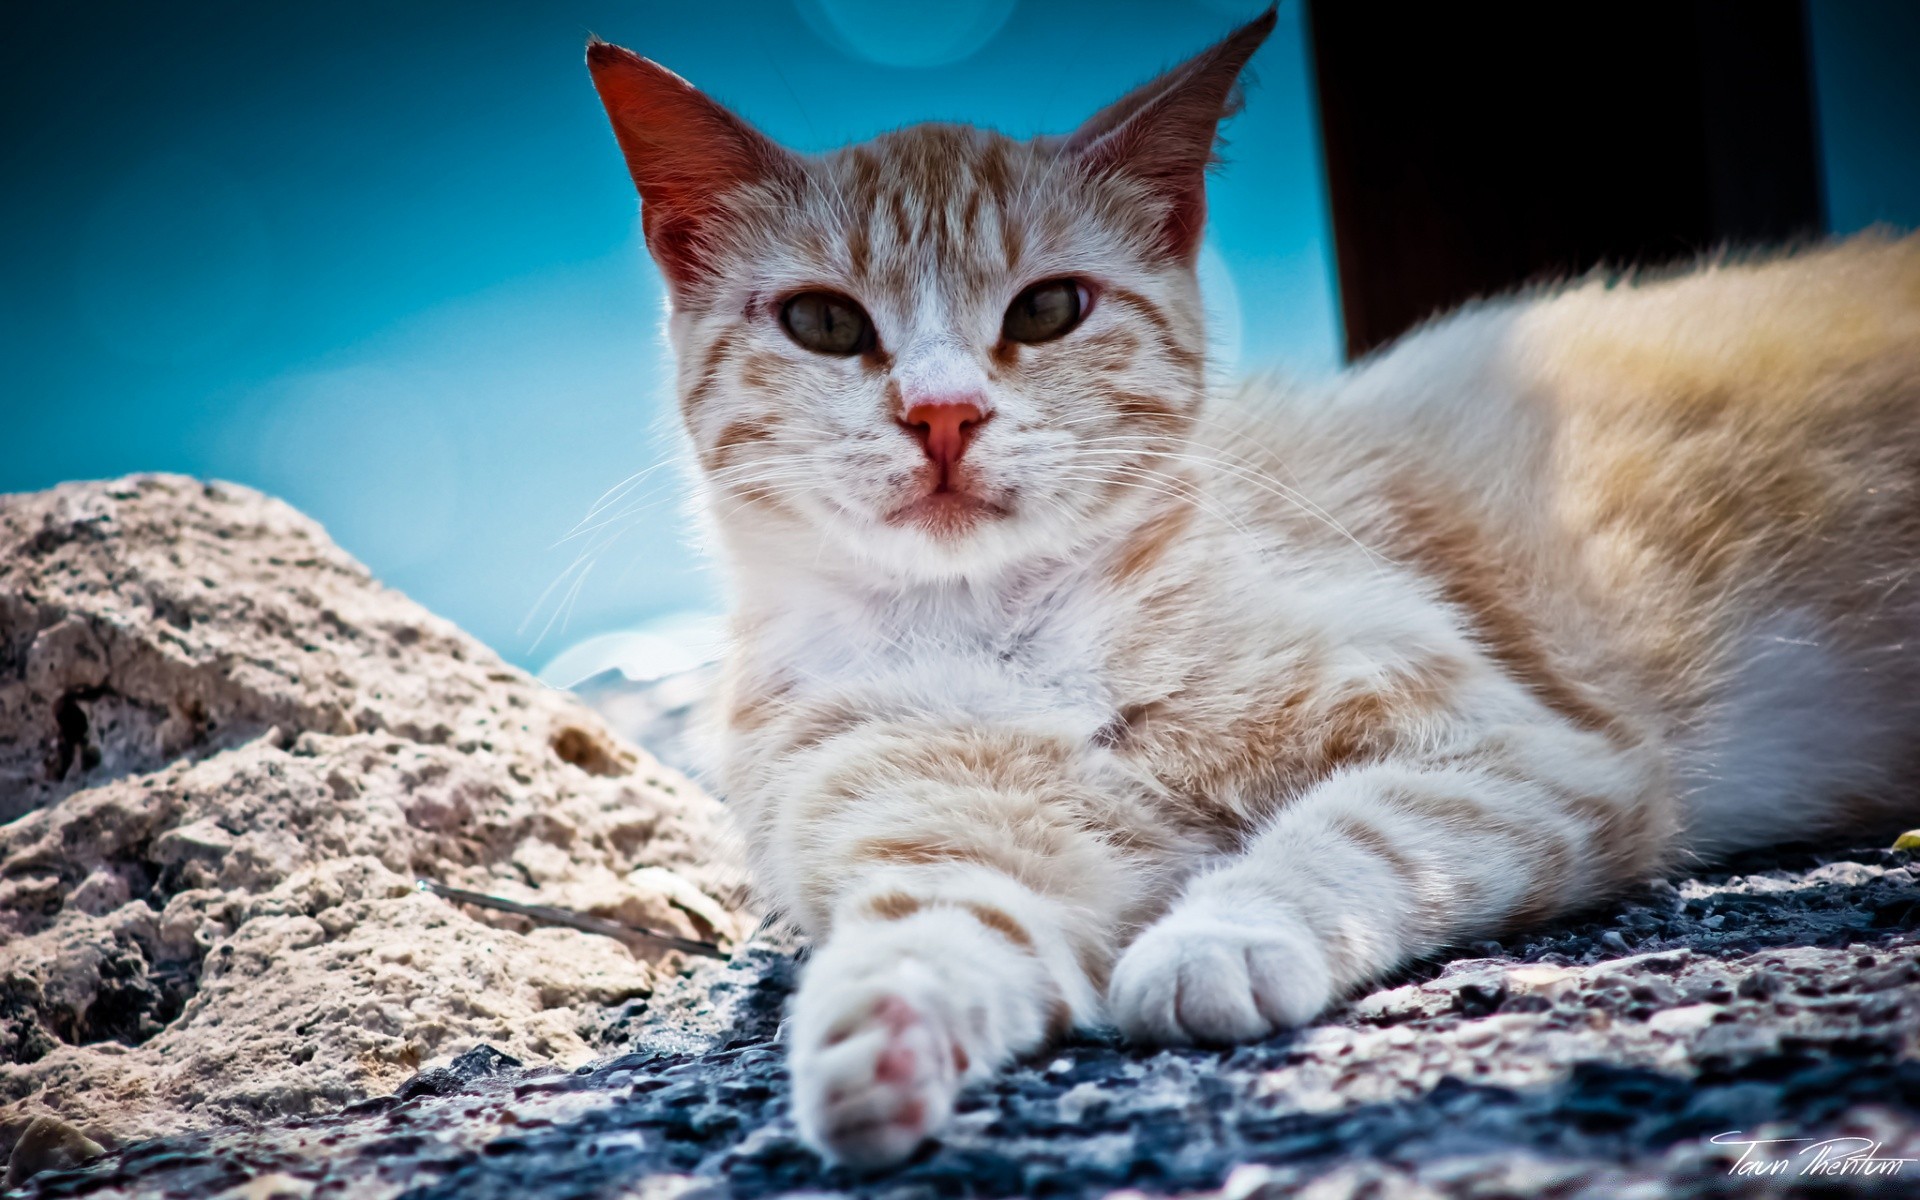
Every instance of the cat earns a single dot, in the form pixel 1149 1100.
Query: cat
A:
pixel 1062 696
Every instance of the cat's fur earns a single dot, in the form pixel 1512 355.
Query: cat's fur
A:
pixel 1204 716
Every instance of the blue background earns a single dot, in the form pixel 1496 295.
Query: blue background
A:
pixel 383 260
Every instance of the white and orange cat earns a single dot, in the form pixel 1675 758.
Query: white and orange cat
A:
pixel 1063 696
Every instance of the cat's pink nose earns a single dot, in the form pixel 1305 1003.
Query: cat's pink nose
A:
pixel 944 429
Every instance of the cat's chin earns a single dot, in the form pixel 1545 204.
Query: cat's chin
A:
pixel 947 515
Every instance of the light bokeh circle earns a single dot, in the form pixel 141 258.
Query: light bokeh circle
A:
pixel 906 35
pixel 1240 11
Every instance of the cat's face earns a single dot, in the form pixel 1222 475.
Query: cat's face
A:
pixel 941 351
pixel 940 268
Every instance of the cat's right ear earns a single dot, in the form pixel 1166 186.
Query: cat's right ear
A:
pixel 1162 133
pixel 686 154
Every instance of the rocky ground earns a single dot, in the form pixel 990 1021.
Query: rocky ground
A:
pixel 1777 999
pixel 1599 1058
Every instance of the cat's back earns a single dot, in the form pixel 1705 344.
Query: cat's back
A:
pixel 1653 467
pixel 1760 356
pixel 1763 332
pixel 1746 427
pixel 1766 360
pixel 1740 420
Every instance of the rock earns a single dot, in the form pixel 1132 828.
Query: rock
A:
pixel 478 1063
pixel 49 1144
pixel 661 714
pixel 226 752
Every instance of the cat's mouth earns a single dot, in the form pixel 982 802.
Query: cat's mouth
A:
pixel 947 511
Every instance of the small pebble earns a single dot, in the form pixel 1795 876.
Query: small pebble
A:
pixel 49 1144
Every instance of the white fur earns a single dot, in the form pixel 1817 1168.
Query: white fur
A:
pixel 1800 721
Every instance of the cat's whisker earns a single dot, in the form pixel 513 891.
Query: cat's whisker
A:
pixel 1170 487
pixel 637 508
pixel 1273 487
pixel 618 491
pixel 1179 444
pixel 575 571
pixel 1214 498
pixel 1247 474
pixel 562 578
pixel 756 491
pixel 572 597
pixel 603 536
pixel 623 514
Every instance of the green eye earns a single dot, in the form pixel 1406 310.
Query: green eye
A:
pixel 1044 311
pixel 827 323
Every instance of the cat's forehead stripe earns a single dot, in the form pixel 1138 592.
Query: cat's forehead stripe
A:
pixel 932 196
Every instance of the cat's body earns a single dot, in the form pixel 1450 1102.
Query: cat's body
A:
pixel 1059 698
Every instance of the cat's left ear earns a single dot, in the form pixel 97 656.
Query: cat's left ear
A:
pixel 1162 133
pixel 686 152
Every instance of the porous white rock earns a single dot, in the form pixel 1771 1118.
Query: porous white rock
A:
pixel 226 753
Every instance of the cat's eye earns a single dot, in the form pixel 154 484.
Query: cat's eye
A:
pixel 827 323
pixel 1045 311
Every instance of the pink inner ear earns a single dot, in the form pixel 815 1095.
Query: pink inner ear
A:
pixel 1174 173
pixel 1162 133
pixel 684 151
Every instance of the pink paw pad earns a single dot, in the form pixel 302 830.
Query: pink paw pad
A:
pixel 879 1104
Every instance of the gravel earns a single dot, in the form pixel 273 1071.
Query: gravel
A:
pixel 1778 998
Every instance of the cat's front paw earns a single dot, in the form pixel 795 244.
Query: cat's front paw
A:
pixel 1208 974
pixel 875 1069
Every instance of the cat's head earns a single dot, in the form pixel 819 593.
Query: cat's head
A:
pixel 942 351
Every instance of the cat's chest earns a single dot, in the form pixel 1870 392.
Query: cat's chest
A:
pixel 969 656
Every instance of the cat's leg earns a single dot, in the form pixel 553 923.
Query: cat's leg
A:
pixel 1382 863
pixel 930 980
pixel 962 910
